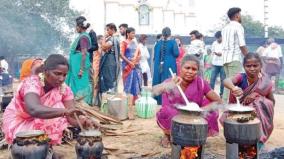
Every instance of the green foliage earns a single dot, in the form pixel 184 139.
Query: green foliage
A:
pixel 34 26
pixel 253 28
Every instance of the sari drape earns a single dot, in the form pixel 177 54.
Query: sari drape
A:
pixel 195 92
pixel 81 87
pixel 263 106
pixel 16 118
pixel 132 77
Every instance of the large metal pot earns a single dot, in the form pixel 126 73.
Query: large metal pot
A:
pixel 189 128
pixel 30 145
pixel 89 145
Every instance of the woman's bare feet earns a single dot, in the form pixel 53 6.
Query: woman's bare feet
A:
pixel 165 142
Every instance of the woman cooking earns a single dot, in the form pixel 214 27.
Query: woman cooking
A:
pixel 253 88
pixel 195 89
pixel 43 104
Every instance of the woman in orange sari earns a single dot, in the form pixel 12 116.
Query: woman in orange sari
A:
pixel 28 67
pixel 131 75
pixel 96 67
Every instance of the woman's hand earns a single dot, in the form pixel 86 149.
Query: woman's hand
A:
pixel 37 67
pixel 237 91
pixel 80 74
pixel 176 80
pixel 132 64
pixel 71 111
pixel 88 123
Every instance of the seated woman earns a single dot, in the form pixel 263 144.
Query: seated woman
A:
pixel 43 104
pixel 29 67
pixel 253 89
pixel 196 90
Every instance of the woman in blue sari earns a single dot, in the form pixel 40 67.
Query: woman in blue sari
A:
pixel 78 75
pixel 165 54
pixel 131 74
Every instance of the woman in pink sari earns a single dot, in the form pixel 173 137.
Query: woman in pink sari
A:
pixel 43 104
pixel 254 89
pixel 196 90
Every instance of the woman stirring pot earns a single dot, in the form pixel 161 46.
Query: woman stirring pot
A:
pixel 195 89
pixel 45 104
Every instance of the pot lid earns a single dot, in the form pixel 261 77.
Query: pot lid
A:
pixel 29 133
pixel 90 133
pixel 191 107
pixel 240 108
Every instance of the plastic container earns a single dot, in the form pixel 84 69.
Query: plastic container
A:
pixel 146 105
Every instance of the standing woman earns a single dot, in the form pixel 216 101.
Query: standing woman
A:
pixel 131 74
pixel 144 59
pixel 110 64
pixel 96 68
pixel 78 75
pixel 165 54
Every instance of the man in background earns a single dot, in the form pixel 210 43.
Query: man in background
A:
pixel 234 45
pixel 217 62
pixel 122 29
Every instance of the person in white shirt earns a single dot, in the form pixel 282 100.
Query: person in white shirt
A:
pixel 145 68
pixel 197 47
pixel 272 58
pixel 4 66
pixel 234 45
pixel 217 62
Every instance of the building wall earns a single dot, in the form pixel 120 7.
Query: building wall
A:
pixel 177 14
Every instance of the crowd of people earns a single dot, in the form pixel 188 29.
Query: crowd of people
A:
pixel 45 98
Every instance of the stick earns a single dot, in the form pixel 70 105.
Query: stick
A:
pixel 183 95
pixel 179 88
pixel 78 122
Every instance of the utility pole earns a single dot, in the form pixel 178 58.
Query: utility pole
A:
pixel 265 18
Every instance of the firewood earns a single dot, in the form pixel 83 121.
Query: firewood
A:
pixel 97 114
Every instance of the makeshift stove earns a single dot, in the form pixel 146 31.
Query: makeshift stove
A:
pixel 188 135
pixel 242 133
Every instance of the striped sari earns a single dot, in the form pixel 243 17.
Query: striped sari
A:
pixel 263 106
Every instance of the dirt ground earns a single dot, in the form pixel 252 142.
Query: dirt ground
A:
pixel 147 142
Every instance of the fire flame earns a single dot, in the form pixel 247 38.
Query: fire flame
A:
pixel 248 152
pixel 189 152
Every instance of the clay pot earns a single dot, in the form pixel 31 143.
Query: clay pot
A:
pixel 189 128
pixel 89 145
pixel 30 145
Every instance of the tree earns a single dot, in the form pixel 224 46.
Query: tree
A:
pixel 34 27
pixel 253 28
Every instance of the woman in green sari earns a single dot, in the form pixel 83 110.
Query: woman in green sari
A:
pixel 78 75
